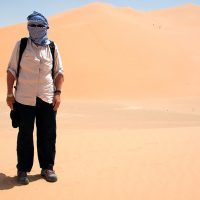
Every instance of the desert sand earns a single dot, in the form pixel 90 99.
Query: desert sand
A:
pixel 129 122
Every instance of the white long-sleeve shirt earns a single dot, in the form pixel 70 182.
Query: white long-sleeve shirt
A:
pixel 35 77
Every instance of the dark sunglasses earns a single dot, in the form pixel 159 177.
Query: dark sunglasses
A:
pixel 36 25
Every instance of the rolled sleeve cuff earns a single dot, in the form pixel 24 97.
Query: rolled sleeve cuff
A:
pixel 12 72
pixel 57 73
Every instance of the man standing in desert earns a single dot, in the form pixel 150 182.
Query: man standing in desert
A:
pixel 37 97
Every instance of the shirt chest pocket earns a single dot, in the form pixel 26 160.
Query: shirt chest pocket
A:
pixel 30 59
pixel 46 63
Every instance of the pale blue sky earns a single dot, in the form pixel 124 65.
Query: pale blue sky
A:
pixel 12 12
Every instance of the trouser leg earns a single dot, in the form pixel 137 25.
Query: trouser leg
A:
pixel 46 134
pixel 25 148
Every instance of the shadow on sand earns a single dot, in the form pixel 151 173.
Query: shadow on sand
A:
pixel 7 182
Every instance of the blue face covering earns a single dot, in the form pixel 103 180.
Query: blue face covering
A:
pixel 38 34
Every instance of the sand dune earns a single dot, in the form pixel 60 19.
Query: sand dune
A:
pixel 128 126
pixel 111 52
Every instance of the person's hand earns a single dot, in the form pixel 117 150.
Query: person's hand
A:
pixel 10 100
pixel 56 101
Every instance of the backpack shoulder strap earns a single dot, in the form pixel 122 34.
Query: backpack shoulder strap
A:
pixel 23 44
pixel 52 48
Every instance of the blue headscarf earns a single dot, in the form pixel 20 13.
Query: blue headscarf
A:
pixel 38 34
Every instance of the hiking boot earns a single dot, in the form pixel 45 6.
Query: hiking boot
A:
pixel 22 178
pixel 49 175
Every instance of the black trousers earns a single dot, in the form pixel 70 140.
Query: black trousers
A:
pixel 46 135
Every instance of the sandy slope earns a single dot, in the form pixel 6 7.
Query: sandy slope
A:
pixel 111 52
pixel 129 123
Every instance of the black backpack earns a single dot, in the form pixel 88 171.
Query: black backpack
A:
pixel 23 44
